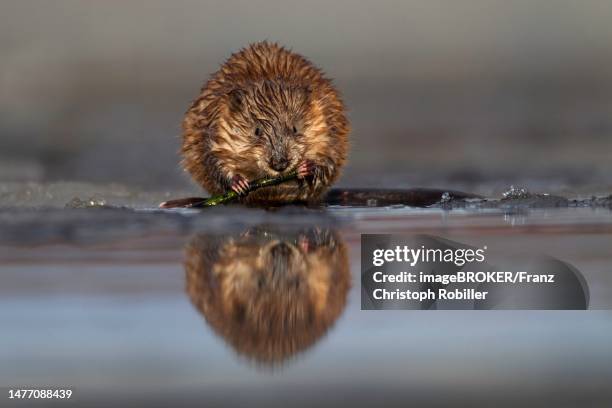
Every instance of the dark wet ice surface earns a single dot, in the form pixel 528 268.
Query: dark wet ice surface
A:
pixel 234 306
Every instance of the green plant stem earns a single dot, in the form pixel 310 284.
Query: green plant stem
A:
pixel 253 185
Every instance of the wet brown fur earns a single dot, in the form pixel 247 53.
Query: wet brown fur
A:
pixel 299 114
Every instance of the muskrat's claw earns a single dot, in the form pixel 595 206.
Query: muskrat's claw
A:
pixel 239 184
pixel 305 244
pixel 306 168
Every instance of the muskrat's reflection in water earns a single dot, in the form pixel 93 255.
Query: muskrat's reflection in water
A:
pixel 269 293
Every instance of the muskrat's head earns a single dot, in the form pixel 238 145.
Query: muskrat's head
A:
pixel 271 124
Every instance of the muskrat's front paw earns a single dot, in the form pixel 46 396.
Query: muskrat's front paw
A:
pixel 239 184
pixel 307 169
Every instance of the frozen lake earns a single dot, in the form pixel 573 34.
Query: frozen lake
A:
pixel 114 304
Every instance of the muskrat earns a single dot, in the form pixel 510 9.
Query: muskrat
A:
pixel 266 111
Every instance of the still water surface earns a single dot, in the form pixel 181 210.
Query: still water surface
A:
pixel 247 307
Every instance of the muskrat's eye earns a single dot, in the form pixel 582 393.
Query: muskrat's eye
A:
pixel 294 130
pixel 257 131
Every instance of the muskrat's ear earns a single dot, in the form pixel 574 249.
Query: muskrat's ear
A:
pixel 308 91
pixel 236 97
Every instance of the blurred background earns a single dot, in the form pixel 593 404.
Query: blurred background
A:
pixel 475 95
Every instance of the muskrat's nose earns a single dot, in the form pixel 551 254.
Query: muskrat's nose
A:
pixel 279 164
